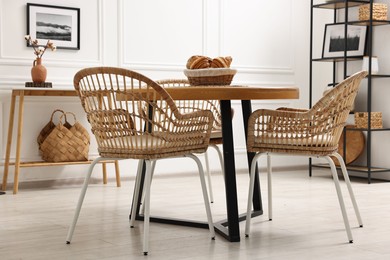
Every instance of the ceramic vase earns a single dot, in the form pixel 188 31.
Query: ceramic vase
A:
pixel 38 71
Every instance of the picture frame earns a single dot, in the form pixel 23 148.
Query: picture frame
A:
pixel 59 24
pixel 334 41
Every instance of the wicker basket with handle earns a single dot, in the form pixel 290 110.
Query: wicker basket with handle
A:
pixel 64 142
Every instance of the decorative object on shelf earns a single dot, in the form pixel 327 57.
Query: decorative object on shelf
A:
pixel 354 145
pixel 38 71
pixel 58 23
pixel 379 12
pixel 203 70
pixel 361 120
pixel 374 64
pixel 38 85
pixel 63 142
pixel 334 43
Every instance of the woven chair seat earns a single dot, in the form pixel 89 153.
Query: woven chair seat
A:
pixel 147 146
pixel 296 143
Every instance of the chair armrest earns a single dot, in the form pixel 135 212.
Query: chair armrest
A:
pixel 197 124
pixel 280 122
pixel 292 109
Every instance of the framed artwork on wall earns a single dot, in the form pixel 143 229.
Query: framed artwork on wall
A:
pixel 59 24
pixel 334 40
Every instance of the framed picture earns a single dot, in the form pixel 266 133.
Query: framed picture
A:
pixel 334 40
pixel 59 24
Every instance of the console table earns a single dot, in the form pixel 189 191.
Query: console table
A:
pixel 21 93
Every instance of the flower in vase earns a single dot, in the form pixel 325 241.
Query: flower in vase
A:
pixel 39 50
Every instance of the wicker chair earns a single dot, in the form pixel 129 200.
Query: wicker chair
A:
pixel 186 106
pixel 113 99
pixel 313 133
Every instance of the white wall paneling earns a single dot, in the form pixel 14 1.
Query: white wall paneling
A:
pixel 156 38
pixel 16 59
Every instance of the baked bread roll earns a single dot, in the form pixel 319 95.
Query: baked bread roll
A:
pixel 191 60
pixel 221 62
pixel 200 62
pixel 228 60
pixel 204 62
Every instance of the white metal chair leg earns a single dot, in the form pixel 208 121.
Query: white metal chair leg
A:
pixel 348 182
pixel 148 178
pixel 340 197
pixel 136 192
pixel 269 180
pixel 205 195
pixel 81 199
pixel 142 209
pixel 250 194
pixel 208 174
pixel 220 156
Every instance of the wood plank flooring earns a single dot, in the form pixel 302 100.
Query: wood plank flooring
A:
pixel 307 222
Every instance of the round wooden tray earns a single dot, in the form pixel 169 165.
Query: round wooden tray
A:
pixel 355 145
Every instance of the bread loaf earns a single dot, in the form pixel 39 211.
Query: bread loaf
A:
pixel 191 60
pixel 204 62
pixel 220 62
pixel 200 62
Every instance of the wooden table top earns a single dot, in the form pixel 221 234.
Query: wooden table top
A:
pixel 192 93
pixel 232 93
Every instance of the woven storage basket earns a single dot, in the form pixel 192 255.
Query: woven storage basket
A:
pixel 379 12
pixel 64 142
pixel 214 76
pixel 361 120
pixel 46 130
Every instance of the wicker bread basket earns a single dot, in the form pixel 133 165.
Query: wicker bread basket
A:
pixel 213 76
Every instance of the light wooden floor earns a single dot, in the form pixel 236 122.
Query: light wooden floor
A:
pixel 307 221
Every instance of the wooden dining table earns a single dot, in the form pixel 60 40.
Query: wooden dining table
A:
pixel 229 227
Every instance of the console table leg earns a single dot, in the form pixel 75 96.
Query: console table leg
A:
pixel 104 167
pixel 18 143
pixel 9 141
pixel 117 174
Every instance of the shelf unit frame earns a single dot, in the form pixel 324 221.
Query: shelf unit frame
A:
pixel 345 5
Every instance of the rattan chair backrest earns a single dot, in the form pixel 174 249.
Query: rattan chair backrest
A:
pixel 115 100
pixel 330 113
pixel 186 106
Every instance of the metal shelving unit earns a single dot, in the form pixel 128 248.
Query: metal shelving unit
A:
pixel 336 6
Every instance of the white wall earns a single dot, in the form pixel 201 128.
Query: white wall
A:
pixel 268 40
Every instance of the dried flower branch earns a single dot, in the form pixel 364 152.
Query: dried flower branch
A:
pixel 39 50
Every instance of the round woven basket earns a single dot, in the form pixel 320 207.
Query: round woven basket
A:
pixel 214 76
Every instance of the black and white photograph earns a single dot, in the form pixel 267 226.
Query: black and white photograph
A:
pixel 334 40
pixel 59 24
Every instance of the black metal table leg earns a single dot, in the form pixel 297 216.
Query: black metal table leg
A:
pixel 232 232
pixel 257 205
